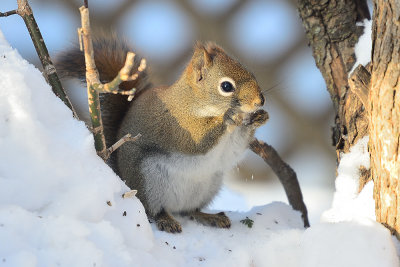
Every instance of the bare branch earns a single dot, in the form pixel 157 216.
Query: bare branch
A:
pixel 123 76
pixel 8 13
pixel 25 11
pixel 95 86
pixel 126 138
pixel 286 175
pixel 92 77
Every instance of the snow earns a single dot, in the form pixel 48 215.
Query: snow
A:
pixel 53 188
pixel 54 191
pixel 347 203
pixel 363 48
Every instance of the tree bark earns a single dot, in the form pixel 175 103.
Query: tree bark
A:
pixel 384 116
pixel 332 33
pixel 367 102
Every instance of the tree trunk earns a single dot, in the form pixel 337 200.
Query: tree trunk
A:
pixel 332 33
pixel 368 102
pixel 384 119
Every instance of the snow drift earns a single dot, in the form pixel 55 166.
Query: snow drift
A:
pixel 54 191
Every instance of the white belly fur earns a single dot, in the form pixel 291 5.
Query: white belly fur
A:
pixel 180 182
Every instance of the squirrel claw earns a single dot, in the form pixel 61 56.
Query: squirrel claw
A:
pixel 219 220
pixel 165 222
pixel 257 118
pixel 233 118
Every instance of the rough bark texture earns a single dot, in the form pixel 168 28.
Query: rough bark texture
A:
pixel 385 113
pixel 360 83
pixel 332 33
pixel 368 102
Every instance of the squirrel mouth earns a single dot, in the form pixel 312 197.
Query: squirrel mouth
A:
pixel 249 108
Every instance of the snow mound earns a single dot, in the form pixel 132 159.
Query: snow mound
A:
pixel 347 203
pixel 53 188
pixel 54 191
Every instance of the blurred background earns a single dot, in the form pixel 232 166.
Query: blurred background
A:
pixel 265 35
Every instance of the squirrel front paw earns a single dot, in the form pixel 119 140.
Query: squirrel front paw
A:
pixel 254 119
pixel 233 118
pixel 257 118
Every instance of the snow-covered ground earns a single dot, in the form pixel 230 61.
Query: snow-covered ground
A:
pixel 54 191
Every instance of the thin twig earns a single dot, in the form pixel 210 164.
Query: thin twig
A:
pixel 126 138
pixel 92 76
pixel 123 75
pixel 95 86
pixel 8 13
pixel 286 175
pixel 25 11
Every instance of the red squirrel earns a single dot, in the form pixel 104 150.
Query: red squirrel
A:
pixel 191 131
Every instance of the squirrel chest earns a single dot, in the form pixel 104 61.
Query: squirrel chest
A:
pixel 180 171
pixel 186 182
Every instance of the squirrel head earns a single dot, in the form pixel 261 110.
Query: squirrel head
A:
pixel 220 83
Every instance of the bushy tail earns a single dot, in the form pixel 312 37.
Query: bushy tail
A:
pixel 110 54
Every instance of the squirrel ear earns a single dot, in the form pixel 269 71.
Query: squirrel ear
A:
pixel 201 61
pixel 212 48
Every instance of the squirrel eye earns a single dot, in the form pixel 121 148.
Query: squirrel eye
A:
pixel 226 86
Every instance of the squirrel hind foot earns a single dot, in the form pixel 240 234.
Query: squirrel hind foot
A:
pixel 165 222
pixel 219 220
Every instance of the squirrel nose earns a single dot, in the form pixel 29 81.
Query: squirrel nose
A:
pixel 261 101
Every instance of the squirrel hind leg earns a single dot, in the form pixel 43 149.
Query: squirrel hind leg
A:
pixel 219 220
pixel 165 222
